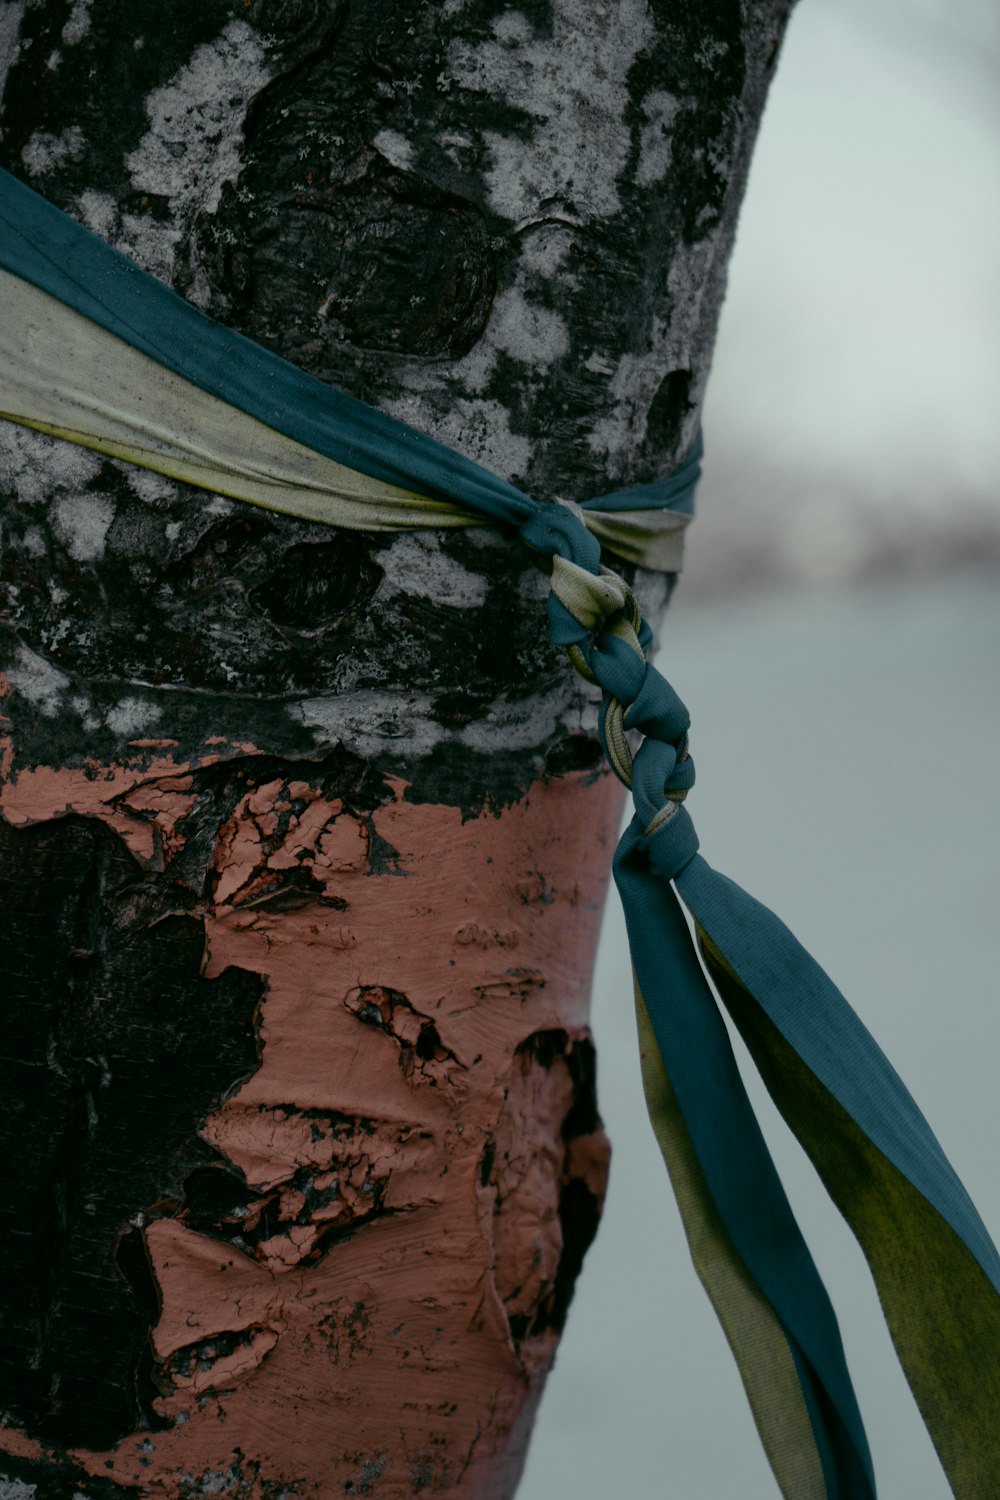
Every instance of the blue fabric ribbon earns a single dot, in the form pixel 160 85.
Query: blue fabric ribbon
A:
pixel 50 250
pixel 759 966
pixel 937 1270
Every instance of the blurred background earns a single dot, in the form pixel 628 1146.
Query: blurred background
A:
pixel 836 636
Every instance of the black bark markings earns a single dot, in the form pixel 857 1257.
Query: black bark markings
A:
pixel 579 1209
pixel 100 84
pixel 669 410
pixel 58 1477
pixel 382 260
pixel 298 27
pixel 699 57
pixel 220 1203
pixel 227 628
pixel 100 1067
pixel 323 248
pixel 422 1054
pixel 317 586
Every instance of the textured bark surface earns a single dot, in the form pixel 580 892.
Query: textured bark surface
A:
pixel 305 834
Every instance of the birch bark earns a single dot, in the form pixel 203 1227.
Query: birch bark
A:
pixel 305 835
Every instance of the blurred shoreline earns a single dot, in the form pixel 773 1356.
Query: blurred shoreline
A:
pixel 758 531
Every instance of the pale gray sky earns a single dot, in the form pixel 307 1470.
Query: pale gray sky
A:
pixel 864 305
pixel 852 408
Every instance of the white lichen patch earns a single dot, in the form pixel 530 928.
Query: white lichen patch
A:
pixel 710 51
pixel 78 24
pixel 633 385
pixel 131 716
pixel 82 521
pixel 478 428
pixel 722 150
pixel 512 27
pixel 97 211
pixel 214 1481
pixel 572 83
pixel 684 342
pixel 599 363
pixel 652 592
pixel 472 373
pixel 535 336
pixel 150 243
pixel 459 149
pixel 37 680
pixel 33 465
pixel 475 370
pixel 44 151
pixel 11 15
pixel 81 706
pixel 152 488
pixel 659 109
pixel 695 299
pixel 221 505
pixel 396 149
pixel 416 565
pixel 192 146
pixel 525 723
pixel 544 248
pixel 521 328
pixel 367 723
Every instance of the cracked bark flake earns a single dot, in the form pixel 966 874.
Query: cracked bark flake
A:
pixel 289 1207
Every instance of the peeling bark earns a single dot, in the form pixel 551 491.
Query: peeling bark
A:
pixel 305 834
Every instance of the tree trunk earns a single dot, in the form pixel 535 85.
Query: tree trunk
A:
pixel 305 834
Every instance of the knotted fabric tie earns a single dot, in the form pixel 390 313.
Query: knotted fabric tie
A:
pixel 937 1272
pixel 95 351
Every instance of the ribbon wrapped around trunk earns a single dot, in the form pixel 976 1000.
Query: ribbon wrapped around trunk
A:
pixel 96 351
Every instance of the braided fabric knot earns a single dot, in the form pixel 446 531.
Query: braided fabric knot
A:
pixel 608 647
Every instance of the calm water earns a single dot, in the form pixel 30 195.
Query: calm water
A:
pixel 846 747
